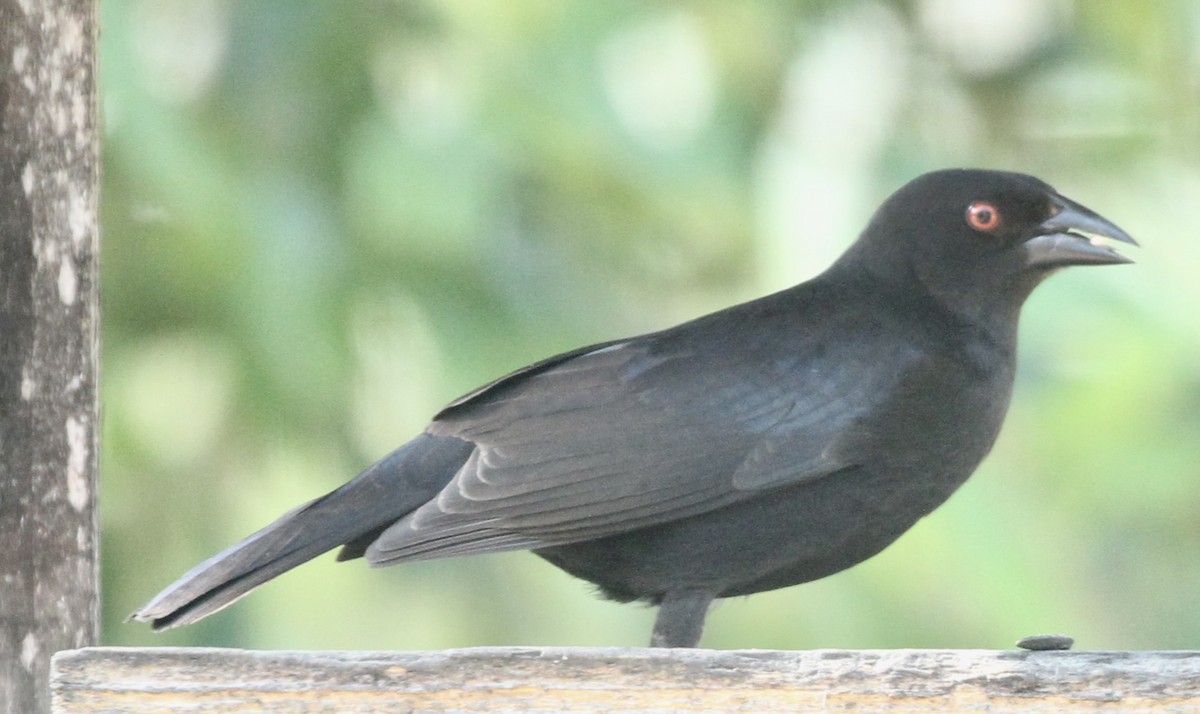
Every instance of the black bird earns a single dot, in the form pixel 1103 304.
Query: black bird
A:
pixel 768 444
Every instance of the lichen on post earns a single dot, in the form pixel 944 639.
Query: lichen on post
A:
pixel 48 341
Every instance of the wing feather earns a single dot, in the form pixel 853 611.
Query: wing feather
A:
pixel 636 433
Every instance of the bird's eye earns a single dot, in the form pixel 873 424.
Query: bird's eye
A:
pixel 983 216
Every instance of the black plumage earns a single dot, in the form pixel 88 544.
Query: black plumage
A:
pixel 768 444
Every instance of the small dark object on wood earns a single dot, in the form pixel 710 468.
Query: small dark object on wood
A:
pixel 1046 643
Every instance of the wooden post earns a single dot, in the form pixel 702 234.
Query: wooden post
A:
pixel 48 341
pixel 635 681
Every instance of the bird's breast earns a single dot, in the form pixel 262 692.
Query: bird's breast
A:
pixel 941 417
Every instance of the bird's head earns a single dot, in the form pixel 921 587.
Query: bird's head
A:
pixel 977 240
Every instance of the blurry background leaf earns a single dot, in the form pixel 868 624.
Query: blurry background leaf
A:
pixel 324 220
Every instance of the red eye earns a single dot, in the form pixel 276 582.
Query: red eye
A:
pixel 983 216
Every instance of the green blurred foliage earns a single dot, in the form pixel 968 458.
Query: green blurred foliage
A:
pixel 321 221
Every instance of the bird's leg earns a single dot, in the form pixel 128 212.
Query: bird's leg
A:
pixel 680 620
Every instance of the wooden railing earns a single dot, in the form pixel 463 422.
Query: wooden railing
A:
pixel 93 680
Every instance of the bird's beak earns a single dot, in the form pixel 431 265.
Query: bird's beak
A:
pixel 1061 239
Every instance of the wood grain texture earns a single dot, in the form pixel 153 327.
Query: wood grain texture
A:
pixel 49 315
pixel 621 680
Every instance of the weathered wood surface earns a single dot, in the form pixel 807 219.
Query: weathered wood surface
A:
pixel 48 341
pixel 621 680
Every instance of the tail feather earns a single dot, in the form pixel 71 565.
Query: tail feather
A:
pixel 360 509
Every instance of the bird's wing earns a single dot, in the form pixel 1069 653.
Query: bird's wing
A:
pixel 627 435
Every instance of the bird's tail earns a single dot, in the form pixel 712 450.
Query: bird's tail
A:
pixel 353 515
